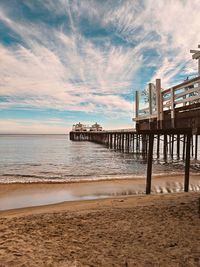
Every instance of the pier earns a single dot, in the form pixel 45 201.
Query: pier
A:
pixel 167 123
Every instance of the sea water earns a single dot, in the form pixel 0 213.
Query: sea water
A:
pixel 54 158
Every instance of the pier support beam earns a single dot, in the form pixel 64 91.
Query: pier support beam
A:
pixel 183 155
pixel 158 145
pixel 149 164
pixel 178 146
pixel 187 163
pixel 196 146
pixel 165 151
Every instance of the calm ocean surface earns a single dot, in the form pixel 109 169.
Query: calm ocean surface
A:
pixel 35 158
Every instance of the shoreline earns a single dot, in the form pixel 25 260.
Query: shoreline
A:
pixel 21 195
pixel 102 178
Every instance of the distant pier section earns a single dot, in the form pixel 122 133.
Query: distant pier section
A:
pixel 125 140
pixel 82 132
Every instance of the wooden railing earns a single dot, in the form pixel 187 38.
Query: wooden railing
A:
pixel 180 95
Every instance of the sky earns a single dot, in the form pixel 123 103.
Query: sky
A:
pixel 65 61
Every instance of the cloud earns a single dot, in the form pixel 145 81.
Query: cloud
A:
pixel 168 27
pixel 33 126
pixel 64 74
pixel 88 56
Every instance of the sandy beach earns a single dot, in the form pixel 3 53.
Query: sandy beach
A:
pixel 155 230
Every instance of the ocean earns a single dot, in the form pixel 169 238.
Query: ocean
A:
pixel 42 166
pixel 54 158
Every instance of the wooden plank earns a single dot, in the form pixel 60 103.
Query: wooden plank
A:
pixel 167 131
pixel 166 91
pixel 189 91
pixel 183 84
pixel 149 164
pixel 196 55
pixel 144 109
pixel 189 108
pixel 166 98
pixel 193 51
pixel 168 104
pixel 146 117
pixel 188 99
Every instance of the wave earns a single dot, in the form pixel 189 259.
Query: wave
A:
pixel 53 178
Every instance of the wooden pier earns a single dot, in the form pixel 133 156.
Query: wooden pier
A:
pixel 170 126
pixel 167 124
pixel 174 115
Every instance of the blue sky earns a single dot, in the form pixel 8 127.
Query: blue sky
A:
pixel 68 61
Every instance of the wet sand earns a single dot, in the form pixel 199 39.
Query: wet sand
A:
pixel 35 194
pixel 156 230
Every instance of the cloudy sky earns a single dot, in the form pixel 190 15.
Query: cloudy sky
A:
pixel 65 61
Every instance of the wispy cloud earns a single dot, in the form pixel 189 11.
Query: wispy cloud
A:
pixel 88 56
pixel 61 76
pixel 168 27
pixel 22 126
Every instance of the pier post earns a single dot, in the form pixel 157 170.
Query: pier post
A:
pixel 114 140
pixel 192 146
pixel 159 104
pixel 150 104
pixel 117 141
pixel 172 109
pixel 136 143
pixel 172 155
pixel 144 140
pixel 170 142
pixel 137 100
pixel 131 142
pixel 158 146
pixel 111 141
pixel 149 164
pixel 178 146
pixel 165 147
pixel 122 142
pixel 187 163
pixel 184 139
pixel 128 142
pixel 196 146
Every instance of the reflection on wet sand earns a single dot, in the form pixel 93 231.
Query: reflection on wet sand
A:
pixel 36 194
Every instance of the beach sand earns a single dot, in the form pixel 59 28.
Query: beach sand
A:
pixel 156 230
